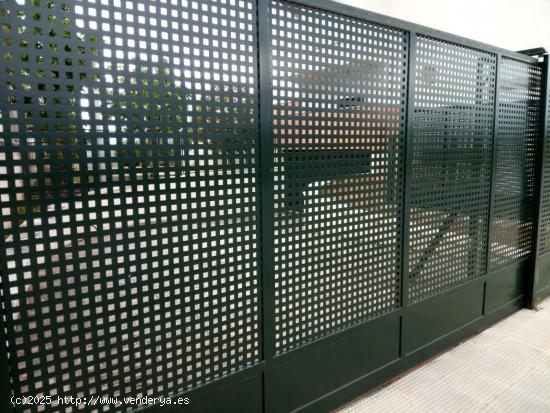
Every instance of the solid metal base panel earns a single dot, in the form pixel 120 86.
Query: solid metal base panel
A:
pixel 428 320
pixel 240 392
pixel 325 375
pixel 541 295
pixel 304 375
pixel 506 285
pixel 381 376
pixel 542 278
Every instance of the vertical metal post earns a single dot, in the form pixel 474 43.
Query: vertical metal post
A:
pixel 267 193
pixel 494 156
pixel 532 281
pixel 407 176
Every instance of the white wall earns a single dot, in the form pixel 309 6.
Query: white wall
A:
pixel 510 24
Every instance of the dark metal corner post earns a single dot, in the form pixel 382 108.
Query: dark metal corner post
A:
pixel 533 284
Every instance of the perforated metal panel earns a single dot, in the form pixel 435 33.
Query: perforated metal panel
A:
pixel 451 166
pixel 518 120
pixel 132 261
pixel 544 219
pixel 338 120
pixel 128 194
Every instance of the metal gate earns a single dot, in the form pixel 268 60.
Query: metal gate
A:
pixel 241 205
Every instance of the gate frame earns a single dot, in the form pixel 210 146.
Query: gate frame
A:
pixel 255 385
pixel 535 291
pixel 407 359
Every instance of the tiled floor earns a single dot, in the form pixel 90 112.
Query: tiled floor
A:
pixel 504 369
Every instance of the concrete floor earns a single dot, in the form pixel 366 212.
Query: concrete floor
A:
pixel 504 369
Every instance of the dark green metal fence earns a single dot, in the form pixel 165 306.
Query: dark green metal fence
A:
pixel 256 205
